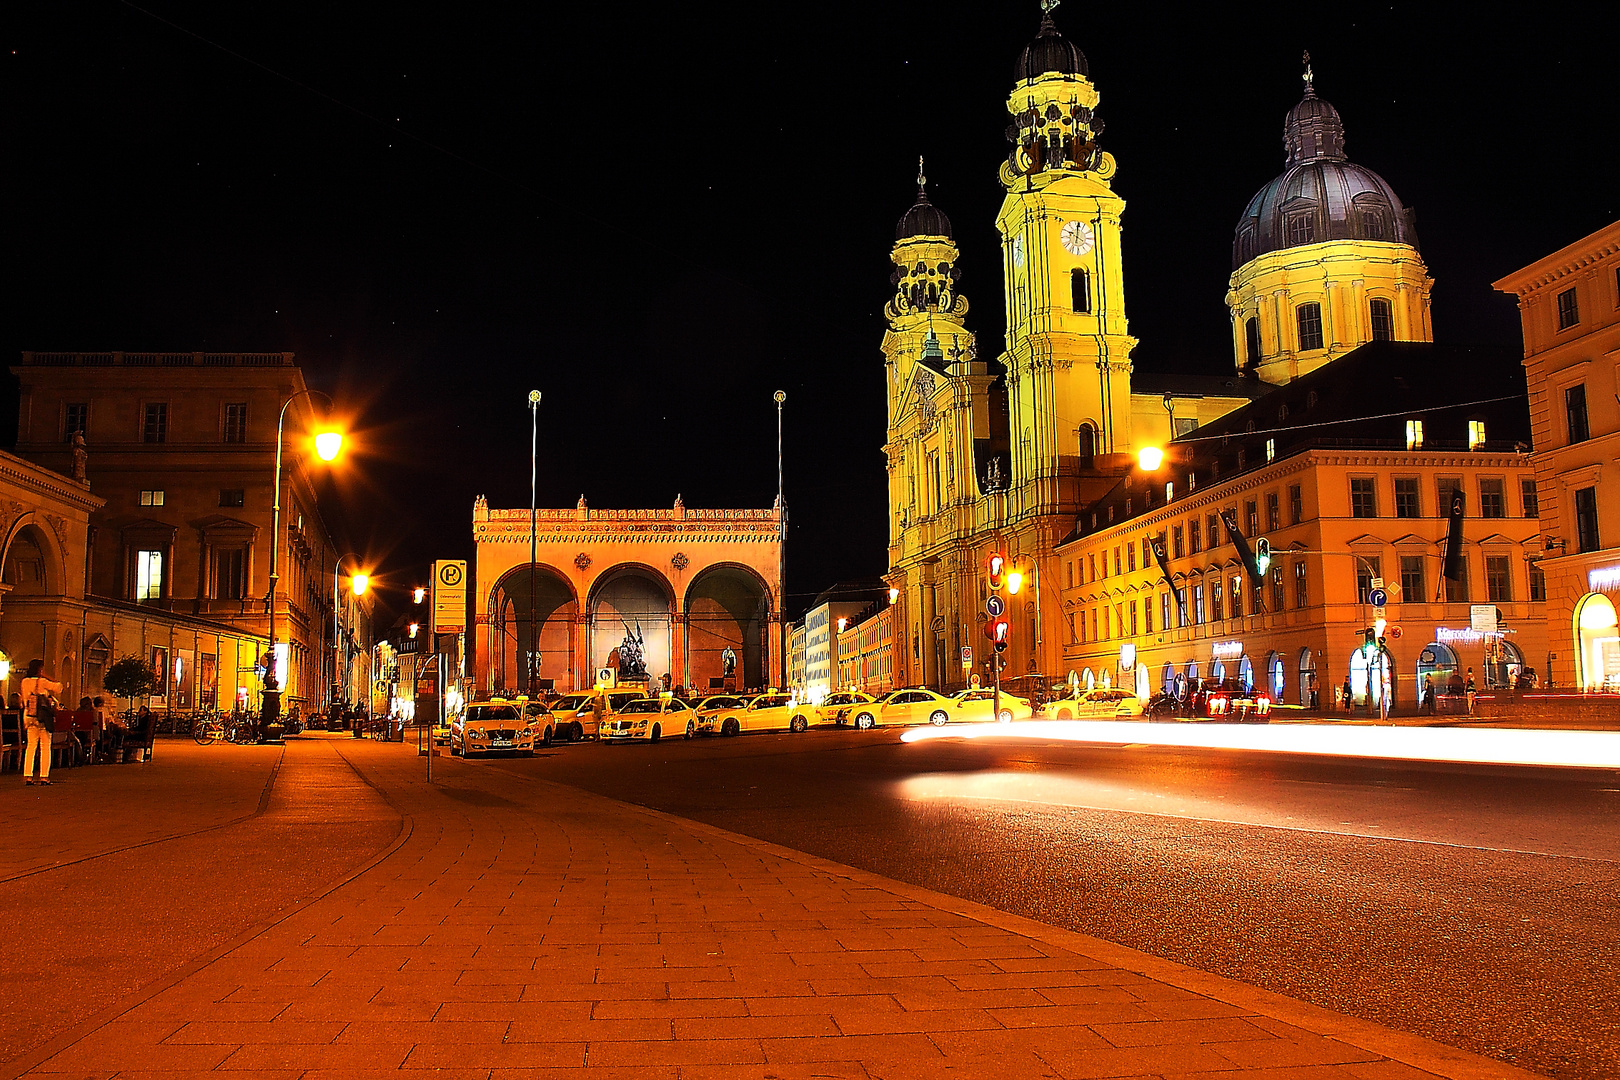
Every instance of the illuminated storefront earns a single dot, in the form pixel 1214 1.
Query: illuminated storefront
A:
pixel 1598 642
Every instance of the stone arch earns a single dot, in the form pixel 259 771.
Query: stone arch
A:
pixel 33 563
pixel 626 597
pixel 727 605
pixel 513 629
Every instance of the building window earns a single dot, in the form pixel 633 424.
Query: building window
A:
pixel 1216 610
pixel 1178 541
pixel 1271 449
pixel 1069 570
pixel 1088 445
pixel 1169 490
pixel 230 574
pixel 1074 638
pixel 1414 434
pixel 1147 553
pixel 1296 504
pixel 1301 229
pixel 1457 591
pixel 76 418
pixel 1277 587
pixel 1214 524
pixel 1132 607
pixel 1575 413
pixel 1309 317
pixel 236 422
pixel 152 497
pixel 1235 597
pixel 1493 497
pixel 1538 582
pixel 1406 497
pixel 1273 512
pixel 1093 624
pixel 1366 570
pixel 1117 570
pixel 155 428
pixel 1363 497
pixel 1569 312
pixel 1164 611
pixel 1413 590
pixel 1184 425
pixel 1195 538
pixel 1251 517
pixel 1383 328
pixel 1476 434
pixel 1527 492
pixel 1301 590
pixel 231 496
pixel 1251 339
pixel 1080 286
pixel 1498 579
pixel 148 575
pixel 1130 557
pixel 1198 605
pixel 1586 520
pixel 1444 488
pixel 1092 559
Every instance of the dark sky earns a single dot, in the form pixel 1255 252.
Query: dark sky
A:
pixel 659 214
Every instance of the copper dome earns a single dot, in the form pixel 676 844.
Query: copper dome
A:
pixel 1050 52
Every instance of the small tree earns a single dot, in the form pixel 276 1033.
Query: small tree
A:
pixel 130 677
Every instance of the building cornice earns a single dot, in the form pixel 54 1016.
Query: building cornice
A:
pixel 1563 263
pixel 46 482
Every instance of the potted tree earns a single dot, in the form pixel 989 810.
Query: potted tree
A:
pixel 130 677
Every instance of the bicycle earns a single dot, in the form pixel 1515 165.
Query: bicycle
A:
pixel 232 729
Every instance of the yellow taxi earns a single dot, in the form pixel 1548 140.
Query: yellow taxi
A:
pixel 911 706
pixel 838 708
pixel 977 706
pixel 1098 704
pixel 501 726
pixel 650 719
pixel 582 716
pixel 709 709
pixel 770 711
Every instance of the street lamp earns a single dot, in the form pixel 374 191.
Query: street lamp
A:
pixel 327 446
pixel 1150 458
pixel 533 664
pixel 358 583
pixel 781 546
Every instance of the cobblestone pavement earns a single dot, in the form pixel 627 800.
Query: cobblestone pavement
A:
pixel 522 928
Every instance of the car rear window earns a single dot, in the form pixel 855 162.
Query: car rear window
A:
pixel 769 702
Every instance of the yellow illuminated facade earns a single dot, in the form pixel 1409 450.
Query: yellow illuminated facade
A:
pixel 1325 257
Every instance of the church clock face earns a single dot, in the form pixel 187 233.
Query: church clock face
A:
pixel 1077 237
pixel 1018 250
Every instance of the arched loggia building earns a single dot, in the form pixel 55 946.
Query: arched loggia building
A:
pixel 690 585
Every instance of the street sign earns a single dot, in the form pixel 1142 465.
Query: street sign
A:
pixel 1378 613
pixel 994 606
pixel 450 596
pixel 1395 631
pixel 1482 618
pixel 1378 583
pixel 967 655
pixel 1377 597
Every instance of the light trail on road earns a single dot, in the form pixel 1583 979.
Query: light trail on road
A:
pixel 1471 746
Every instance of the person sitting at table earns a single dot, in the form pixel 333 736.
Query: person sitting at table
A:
pixel 109 731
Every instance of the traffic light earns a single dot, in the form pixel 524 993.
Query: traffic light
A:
pixel 1000 633
pixel 1256 573
pixel 1262 555
pixel 998 563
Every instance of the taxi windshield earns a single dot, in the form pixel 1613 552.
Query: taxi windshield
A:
pixel 574 701
pixel 477 714
pixel 644 705
pixel 767 701
pixel 720 703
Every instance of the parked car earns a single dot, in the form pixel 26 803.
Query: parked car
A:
pixel 915 705
pixel 650 719
pixel 838 708
pixel 709 709
pixel 500 725
pixel 1098 704
pixel 977 706
pixel 441 732
pixel 770 711
pixel 582 716
pixel 1235 702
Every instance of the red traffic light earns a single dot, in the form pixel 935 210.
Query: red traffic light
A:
pixel 1000 630
pixel 998 563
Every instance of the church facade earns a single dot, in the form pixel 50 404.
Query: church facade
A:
pixel 1035 454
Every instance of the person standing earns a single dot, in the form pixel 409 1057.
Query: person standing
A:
pixel 1468 689
pixel 33 687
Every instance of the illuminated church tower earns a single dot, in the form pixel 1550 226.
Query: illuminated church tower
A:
pixel 1068 352
pixel 1324 259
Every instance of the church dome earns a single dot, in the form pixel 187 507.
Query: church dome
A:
pixel 1050 52
pixel 924 219
pixel 1321 195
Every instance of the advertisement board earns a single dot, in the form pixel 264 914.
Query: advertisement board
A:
pixel 450 596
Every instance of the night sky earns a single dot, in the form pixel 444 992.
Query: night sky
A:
pixel 659 214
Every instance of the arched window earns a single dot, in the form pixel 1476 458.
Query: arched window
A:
pixel 1087 448
pixel 1383 328
pixel 1251 334
pixel 1080 284
pixel 1309 317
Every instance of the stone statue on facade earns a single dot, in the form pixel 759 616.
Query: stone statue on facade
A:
pixel 728 663
pixel 632 662
pixel 81 457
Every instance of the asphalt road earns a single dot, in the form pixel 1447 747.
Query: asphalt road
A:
pixel 1475 906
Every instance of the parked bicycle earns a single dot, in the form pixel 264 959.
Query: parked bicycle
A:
pixel 206 729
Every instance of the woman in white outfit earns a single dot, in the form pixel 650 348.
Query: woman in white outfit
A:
pixel 34 684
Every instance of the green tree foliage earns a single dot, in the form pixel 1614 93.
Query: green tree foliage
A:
pixel 130 677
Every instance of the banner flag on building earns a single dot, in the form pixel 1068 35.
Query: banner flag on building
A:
pixel 1453 570
pixel 1163 559
pixel 1245 555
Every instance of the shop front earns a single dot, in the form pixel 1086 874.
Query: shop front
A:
pixel 1597 638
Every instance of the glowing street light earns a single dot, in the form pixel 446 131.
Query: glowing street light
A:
pixel 1150 458
pixel 360 583
pixel 328 444
pixel 1015 581
pixel 894 596
pixel 418 594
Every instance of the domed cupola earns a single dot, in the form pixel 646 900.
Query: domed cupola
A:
pixel 1324 258
pixel 923 219
pixel 1321 195
pixel 1050 53
pixel 925 275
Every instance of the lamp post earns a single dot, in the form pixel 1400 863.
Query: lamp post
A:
pixel 781 548
pixel 327 445
pixel 340 644
pixel 534 604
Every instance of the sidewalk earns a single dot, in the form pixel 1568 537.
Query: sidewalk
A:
pixel 521 928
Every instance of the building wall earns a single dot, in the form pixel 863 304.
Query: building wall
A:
pixel 196 527
pixel 1560 360
pixel 1101 605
